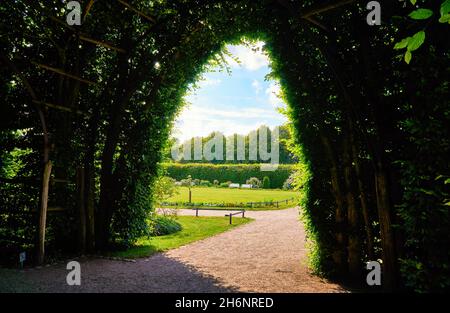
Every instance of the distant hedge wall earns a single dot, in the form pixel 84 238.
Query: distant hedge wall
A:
pixel 236 173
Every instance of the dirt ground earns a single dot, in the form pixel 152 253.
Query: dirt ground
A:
pixel 266 255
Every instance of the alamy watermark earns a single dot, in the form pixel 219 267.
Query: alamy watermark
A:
pixel 373 278
pixel 73 278
pixel 374 16
pixel 74 15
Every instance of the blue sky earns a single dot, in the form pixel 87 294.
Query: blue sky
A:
pixel 236 103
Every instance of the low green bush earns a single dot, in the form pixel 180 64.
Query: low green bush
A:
pixel 225 184
pixel 205 183
pixel 163 225
pixel 266 182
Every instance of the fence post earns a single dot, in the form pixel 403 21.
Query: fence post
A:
pixel 231 216
pixel 196 212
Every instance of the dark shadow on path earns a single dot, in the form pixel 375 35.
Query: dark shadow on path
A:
pixel 156 274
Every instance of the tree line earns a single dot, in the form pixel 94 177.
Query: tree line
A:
pixel 231 143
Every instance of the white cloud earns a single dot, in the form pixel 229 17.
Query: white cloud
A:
pixel 201 121
pixel 251 57
pixel 202 113
pixel 209 82
pixel 257 86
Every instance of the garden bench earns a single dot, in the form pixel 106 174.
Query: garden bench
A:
pixel 239 211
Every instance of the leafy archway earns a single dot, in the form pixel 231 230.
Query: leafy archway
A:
pixel 108 90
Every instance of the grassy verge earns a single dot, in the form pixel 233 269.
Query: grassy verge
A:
pixel 266 208
pixel 194 228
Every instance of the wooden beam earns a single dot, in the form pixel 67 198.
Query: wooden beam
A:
pixel 61 180
pixel 87 8
pixel 128 6
pixel 51 209
pixel 324 8
pixel 62 23
pixel 308 14
pixel 101 43
pixel 59 107
pixel 61 72
pixel 85 37
pixel 56 209
pixel 317 23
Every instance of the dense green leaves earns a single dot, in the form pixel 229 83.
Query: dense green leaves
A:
pixel 445 8
pixel 445 12
pixel 421 14
pixel 411 44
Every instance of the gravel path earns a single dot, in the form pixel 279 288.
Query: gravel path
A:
pixel 266 255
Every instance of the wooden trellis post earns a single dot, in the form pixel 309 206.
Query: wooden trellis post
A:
pixel 43 211
pixel 81 209
pixel 89 205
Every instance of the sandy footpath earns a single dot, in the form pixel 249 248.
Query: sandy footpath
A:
pixel 266 255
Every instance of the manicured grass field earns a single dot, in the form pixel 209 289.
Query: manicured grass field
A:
pixel 194 228
pixel 233 195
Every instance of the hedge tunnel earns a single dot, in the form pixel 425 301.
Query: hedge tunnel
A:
pixel 93 106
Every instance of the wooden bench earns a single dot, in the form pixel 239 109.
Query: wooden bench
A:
pixel 231 215
pixel 239 211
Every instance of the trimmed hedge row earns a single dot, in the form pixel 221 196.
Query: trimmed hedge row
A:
pixel 236 173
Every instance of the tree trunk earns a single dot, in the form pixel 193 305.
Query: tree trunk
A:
pixel 90 207
pixel 364 205
pixel 354 249
pixel 387 236
pixel 339 254
pixel 107 181
pixel 378 114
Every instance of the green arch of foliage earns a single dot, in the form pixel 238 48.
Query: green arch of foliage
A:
pixel 371 132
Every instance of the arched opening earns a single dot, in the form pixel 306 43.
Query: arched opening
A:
pixel 233 96
pixel 232 99
pixel 107 91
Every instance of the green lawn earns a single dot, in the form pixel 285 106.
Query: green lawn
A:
pixel 232 195
pixel 194 228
